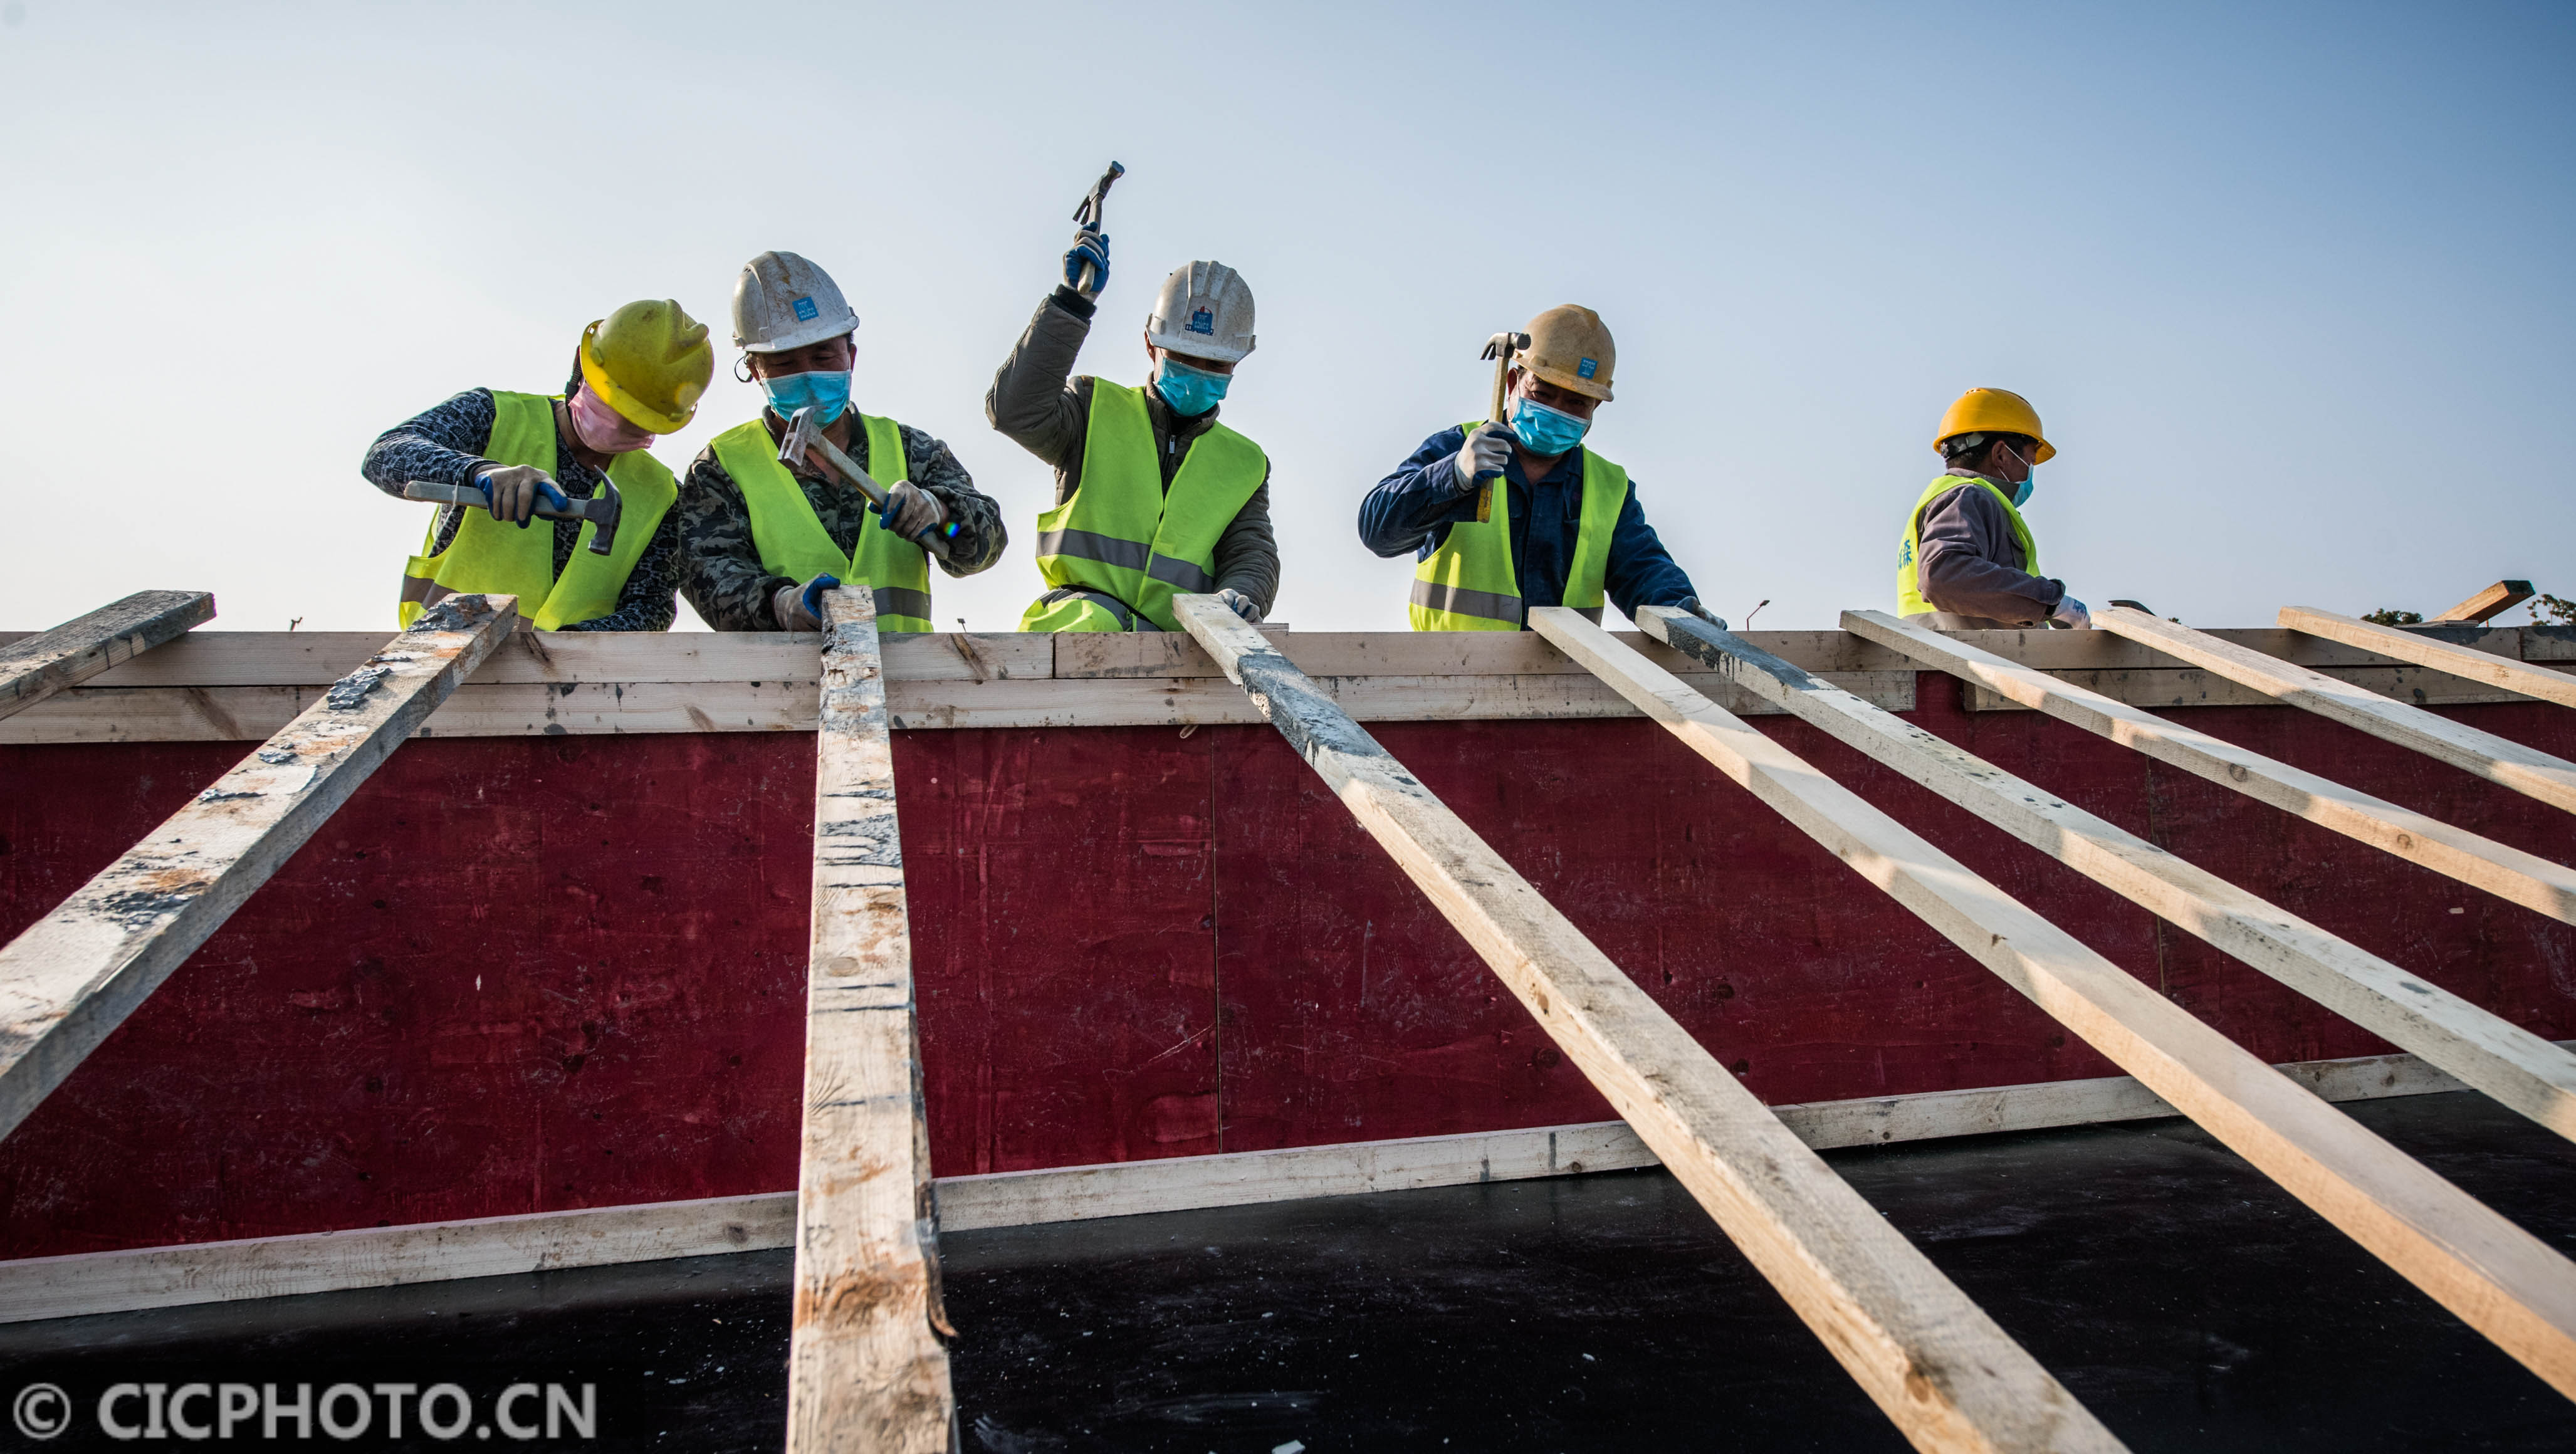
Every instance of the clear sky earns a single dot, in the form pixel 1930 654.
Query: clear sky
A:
pixel 2289 284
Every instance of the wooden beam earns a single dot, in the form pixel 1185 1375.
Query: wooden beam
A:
pixel 865 1371
pixel 2477 666
pixel 2495 1276
pixel 2495 600
pixel 1932 1360
pixel 78 972
pixel 83 1284
pixel 2506 1061
pixel 38 666
pixel 2509 873
pixel 2502 761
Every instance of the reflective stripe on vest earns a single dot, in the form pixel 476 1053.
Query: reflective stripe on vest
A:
pixel 486 555
pixel 792 541
pixel 1121 533
pixel 1469 583
pixel 1910 600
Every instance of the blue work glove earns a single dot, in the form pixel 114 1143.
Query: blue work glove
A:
pixel 912 512
pixel 1692 605
pixel 1086 263
pixel 1487 449
pixel 800 608
pixel 512 492
pixel 1241 605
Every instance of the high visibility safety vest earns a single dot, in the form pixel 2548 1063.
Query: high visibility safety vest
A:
pixel 1910 600
pixel 1469 584
pixel 488 555
pixel 1122 535
pixel 791 538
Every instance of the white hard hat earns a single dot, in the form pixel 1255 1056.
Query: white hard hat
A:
pixel 1204 311
pixel 782 301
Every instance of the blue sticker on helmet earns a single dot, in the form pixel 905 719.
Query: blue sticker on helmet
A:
pixel 806 312
pixel 1203 321
pixel 1586 369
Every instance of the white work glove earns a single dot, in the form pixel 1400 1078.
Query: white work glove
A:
pixel 514 491
pixel 1241 605
pixel 1482 457
pixel 800 608
pixel 1086 263
pixel 910 510
pixel 2070 613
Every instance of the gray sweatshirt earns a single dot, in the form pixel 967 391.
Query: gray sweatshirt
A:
pixel 1033 402
pixel 1971 568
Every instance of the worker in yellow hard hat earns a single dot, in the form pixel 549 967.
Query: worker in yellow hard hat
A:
pixel 638 373
pixel 1967 561
pixel 1506 513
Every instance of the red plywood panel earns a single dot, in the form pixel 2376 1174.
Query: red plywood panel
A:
pixel 1064 945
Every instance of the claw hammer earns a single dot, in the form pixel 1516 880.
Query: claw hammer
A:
pixel 602 510
pixel 1087 216
pixel 805 437
pixel 1500 349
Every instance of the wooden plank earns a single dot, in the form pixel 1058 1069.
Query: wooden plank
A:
pixel 2494 600
pixel 78 972
pixel 1934 1363
pixel 36 667
pixel 2509 1063
pixel 88 1283
pixel 2495 1276
pixel 2508 873
pixel 865 1370
pixel 2499 760
pixel 2166 687
pixel 2482 667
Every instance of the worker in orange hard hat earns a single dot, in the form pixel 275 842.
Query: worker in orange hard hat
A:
pixel 1967 560
pixel 637 374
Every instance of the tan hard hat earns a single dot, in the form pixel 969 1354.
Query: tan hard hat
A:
pixel 1570 347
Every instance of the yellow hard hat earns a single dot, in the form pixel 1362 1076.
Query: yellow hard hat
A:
pixel 1994 411
pixel 650 360
pixel 1570 348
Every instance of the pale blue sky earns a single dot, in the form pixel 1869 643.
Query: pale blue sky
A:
pixel 2290 285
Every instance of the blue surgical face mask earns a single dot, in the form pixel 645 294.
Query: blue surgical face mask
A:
pixel 2021 492
pixel 827 393
pixel 1191 392
pixel 1545 431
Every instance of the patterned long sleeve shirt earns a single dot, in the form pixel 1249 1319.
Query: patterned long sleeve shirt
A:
pixel 445 446
pixel 719 562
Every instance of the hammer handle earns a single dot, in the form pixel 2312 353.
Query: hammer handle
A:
pixel 440 494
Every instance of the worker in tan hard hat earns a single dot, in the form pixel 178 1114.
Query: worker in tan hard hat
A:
pixel 637 374
pixel 1517 511
pixel 1154 497
pixel 760 540
pixel 1967 561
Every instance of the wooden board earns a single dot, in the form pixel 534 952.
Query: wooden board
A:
pixel 865 1370
pixel 2160 688
pixel 76 975
pixel 2509 873
pixel 2483 667
pixel 2499 760
pixel 2495 599
pixel 35 667
pixel 84 1284
pixel 2515 1066
pixel 1934 1363
pixel 2495 1276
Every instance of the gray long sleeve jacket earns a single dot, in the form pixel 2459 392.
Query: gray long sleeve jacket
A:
pixel 1044 412
pixel 1972 570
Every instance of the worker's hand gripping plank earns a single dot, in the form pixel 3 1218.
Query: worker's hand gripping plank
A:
pixel 2495 1276
pixel 79 971
pixel 1933 1361
pixel 2491 1054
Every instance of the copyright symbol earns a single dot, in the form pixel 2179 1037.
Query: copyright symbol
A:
pixel 42 1411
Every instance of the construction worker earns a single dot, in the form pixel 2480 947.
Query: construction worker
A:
pixel 1153 497
pixel 1501 518
pixel 760 541
pixel 637 374
pixel 1967 561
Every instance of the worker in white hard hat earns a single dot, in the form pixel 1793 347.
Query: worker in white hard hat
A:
pixel 638 373
pixel 1967 561
pixel 760 541
pixel 1501 516
pixel 1153 496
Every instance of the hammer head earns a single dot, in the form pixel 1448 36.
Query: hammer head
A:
pixel 1504 345
pixel 603 511
pixel 802 430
